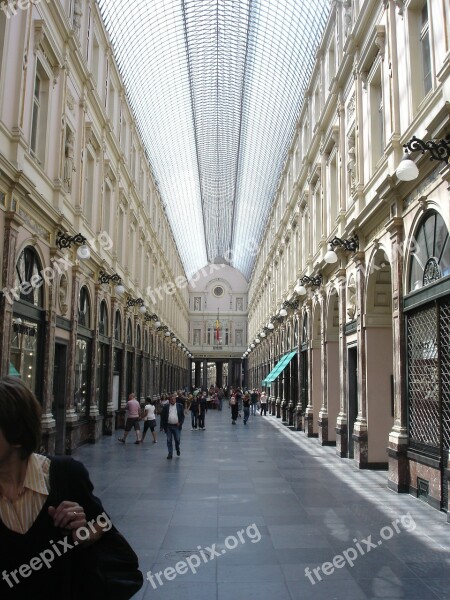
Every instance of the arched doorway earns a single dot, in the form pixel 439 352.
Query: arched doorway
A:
pixel 332 367
pixel 379 357
pixel 427 310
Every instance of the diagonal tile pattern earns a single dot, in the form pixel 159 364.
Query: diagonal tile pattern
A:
pixel 267 504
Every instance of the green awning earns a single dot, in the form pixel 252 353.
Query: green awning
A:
pixel 13 371
pixel 279 367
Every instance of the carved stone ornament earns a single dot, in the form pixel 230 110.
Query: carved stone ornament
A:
pixel 62 297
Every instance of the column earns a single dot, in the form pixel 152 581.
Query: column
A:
pixel 360 428
pixel 323 412
pixel 341 421
pixel 398 478
pixel 219 373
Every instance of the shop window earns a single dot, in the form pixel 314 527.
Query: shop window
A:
pixel 129 333
pixel 24 351
pixel 39 113
pixel 118 327
pixel 84 308
pixel 138 338
pixel 82 370
pixel 103 322
pixel 430 252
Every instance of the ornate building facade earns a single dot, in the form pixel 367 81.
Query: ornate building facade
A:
pixel 88 309
pixel 365 337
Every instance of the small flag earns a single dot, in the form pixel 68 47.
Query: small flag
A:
pixel 217 326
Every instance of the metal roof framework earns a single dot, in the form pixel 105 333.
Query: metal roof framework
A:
pixel 216 87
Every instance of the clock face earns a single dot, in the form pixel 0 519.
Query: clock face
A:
pixel 218 291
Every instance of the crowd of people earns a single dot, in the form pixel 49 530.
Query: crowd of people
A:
pixel 173 408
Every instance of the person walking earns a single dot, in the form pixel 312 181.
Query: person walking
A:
pixel 234 409
pixel 254 401
pixel 194 412
pixel 219 399
pixel 202 408
pixel 246 407
pixel 172 418
pixel 149 419
pixel 263 403
pixel 134 408
pixel 164 401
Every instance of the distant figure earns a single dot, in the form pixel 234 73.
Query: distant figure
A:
pixel 172 418
pixel 202 409
pixel 234 409
pixel 149 419
pixel 194 412
pixel 263 403
pixel 134 408
pixel 254 401
pixel 246 406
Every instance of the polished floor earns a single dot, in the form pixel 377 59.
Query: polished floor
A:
pixel 259 512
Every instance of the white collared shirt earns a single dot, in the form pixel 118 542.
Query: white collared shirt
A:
pixel 173 414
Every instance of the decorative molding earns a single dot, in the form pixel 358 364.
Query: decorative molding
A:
pixel 42 233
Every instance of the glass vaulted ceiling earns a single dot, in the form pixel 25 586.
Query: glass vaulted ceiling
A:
pixel 216 87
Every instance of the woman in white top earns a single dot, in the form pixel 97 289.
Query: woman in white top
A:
pixel 149 418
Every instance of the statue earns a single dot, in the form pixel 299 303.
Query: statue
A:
pixel 77 14
pixel 68 160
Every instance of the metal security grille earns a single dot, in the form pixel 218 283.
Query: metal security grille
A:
pixel 444 341
pixel 423 379
pixel 428 340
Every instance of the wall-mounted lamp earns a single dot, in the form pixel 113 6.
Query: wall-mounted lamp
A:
pixel 350 245
pixel 290 304
pixel 257 341
pixel 252 346
pixel 439 150
pixel 313 281
pixel 271 326
pixel 152 317
pixel 103 277
pixel 283 312
pixel 64 240
pixel 137 302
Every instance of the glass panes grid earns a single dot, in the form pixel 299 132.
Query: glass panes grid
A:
pixel 216 87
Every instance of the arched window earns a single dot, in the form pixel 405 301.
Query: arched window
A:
pixel 145 341
pixel 103 322
pixel 296 333
pixel 430 259
pixel 305 336
pixel 118 327
pixel 138 337
pixel 28 280
pixel 129 333
pixel 84 308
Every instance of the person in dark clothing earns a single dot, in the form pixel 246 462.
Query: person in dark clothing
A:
pixel 43 524
pixel 246 406
pixel 194 412
pixel 234 409
pixel 172 419
pixel 202 408
pixel 254 401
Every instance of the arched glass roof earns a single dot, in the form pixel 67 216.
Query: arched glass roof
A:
pixel 216 87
